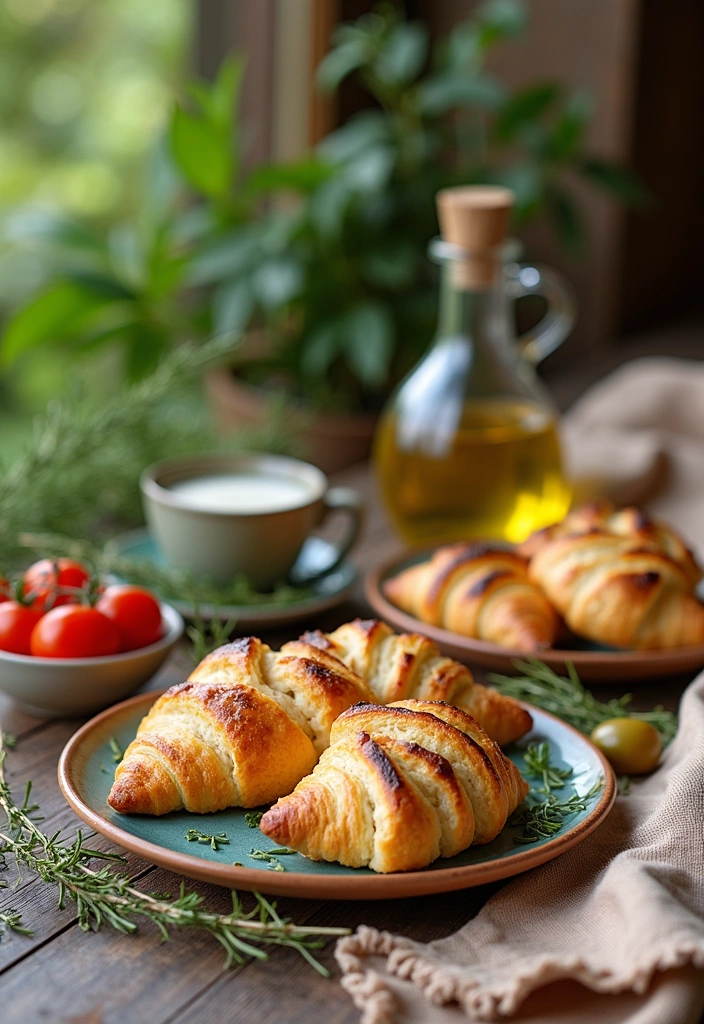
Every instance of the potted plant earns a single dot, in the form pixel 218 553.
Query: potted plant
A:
pixel 334 289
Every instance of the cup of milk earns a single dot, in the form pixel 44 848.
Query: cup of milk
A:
pixel 247 514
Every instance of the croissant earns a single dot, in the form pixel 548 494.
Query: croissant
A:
pixel 246 727
pixel 396 667
pixel 479 592
pixel 399 786
pixel 631 523
pixel 613 590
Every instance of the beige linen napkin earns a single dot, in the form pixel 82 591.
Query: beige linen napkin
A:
pixel 625 903
pixel 623 912
pixel 638 436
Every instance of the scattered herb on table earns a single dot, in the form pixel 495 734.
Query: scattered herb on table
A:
pixel 253 818
pixel 105 897
pixel 194 835
pixel 11 921
pixel 566 697
pixel 117 751
pixel 9 741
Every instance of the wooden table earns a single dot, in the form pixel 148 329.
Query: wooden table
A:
pixel 62 975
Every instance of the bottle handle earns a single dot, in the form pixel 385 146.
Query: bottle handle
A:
pixel 551 331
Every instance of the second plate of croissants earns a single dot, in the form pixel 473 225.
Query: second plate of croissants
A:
pixel 613 592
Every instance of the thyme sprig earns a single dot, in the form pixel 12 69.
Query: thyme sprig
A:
pixel 105 897
pixel 117 751
pixel 271 856
pixel 566 697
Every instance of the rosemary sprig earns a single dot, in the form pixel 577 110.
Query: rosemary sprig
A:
pixel 253 818
pixel 105 897
pixel 544 818
pixel 170 583
pixel 537 762
pixel 566 697
pixel 194 835
pixel 207 636
pixel 11 921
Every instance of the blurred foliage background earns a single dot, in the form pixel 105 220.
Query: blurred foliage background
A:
pixel 84 88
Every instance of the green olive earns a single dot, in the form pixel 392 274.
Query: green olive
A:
pixel 632 746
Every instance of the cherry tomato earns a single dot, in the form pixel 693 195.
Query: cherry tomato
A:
pixel 16 624
pixel 136 613
pixel 42 577
pixel 74 631
pixel 632 746
pixel 4 590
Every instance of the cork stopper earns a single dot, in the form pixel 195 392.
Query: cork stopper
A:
pixel 475 218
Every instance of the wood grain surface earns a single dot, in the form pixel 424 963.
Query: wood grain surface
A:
pixel 66 976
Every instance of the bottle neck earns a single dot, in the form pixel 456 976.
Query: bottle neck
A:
pixel 472 309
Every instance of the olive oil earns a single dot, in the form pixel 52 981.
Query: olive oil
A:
pixel 495 474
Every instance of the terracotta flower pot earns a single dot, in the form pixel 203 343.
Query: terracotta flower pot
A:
pixel 329 441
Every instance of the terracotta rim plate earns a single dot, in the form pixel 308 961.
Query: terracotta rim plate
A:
pixel 85 775
pixel 592 664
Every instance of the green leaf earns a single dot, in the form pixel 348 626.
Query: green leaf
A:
pixel 565 215
pixel 277 282
pixel 525 180
pixel 501 19
pixel 225 257
pixel 341 62
pixel 523 107
pixel 203 153
pixel 441 92
pixel 569 129
pixel 328 206
pixel 391 266
pixel 301 176
pixel 58 312
pixel 371 171
pixel 403 54
pixel 226 90
pixel 33 224
pixel 353 139
pixel 617 180
pixel 369 341
pixel 233 305
pixel 321 348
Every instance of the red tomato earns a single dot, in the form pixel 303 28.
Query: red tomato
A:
pixel 74 631
pixel 4 590
pixel 16 624
pixel 42 577
pixel 136 613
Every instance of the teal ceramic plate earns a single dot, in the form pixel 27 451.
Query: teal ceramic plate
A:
pixel 593 663
pixel 85 776
pixel 328 590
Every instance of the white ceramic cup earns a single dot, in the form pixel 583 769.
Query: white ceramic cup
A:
pixel 259 544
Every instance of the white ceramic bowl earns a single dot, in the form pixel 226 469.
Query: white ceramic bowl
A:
pixel 70 687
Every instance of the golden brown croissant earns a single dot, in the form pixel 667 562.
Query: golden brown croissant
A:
pixel 399 786
pixel 397 666
pixel 479 592
pixel 245 728
pixel 612 589
pixel 630 523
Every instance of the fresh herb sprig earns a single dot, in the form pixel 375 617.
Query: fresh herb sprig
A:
pixel 272 856
pixel 117 751
pixel 538 765
pixel 544 818
pixel 543 814
pixel 170 583
pixel 105 897
pixel 566 697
